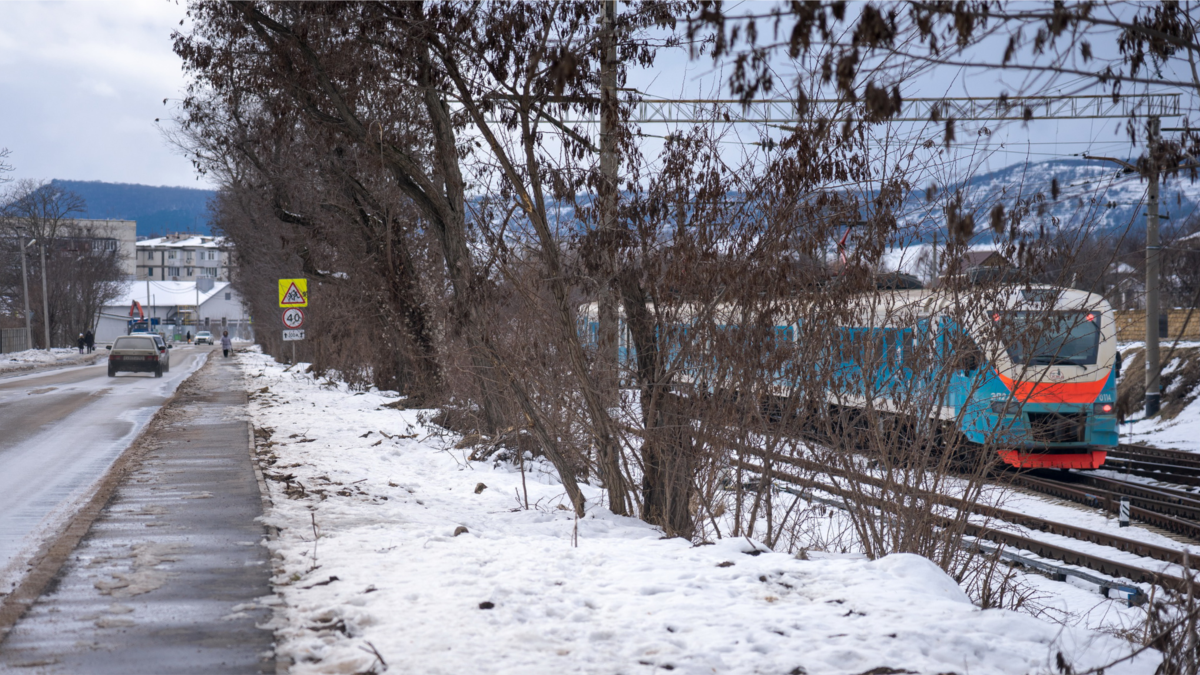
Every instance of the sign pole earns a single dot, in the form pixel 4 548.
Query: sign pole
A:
pixel 293 295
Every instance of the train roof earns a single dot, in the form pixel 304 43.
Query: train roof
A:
pixel 901 307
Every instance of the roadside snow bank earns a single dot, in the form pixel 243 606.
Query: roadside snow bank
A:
pixel 32 358
pixel 386 578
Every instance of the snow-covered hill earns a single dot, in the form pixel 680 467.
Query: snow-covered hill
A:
pixel 1092 194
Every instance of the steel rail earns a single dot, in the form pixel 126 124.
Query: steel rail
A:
pixel 1148 510
pixel 1168 473
pixel 1041 548
pixel 1155 459
pixel 1169 495
pixel 1134 449
pixel 1134 594
pixel 1175 512
pixel 1134 546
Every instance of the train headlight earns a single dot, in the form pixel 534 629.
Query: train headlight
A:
pixel 1108 409
pixel 1009 407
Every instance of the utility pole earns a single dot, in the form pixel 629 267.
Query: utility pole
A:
pixel 1153 261
pixel 936 276
pixel 607 361
pixel 25 291
pixel 45 297
pixel 1153 252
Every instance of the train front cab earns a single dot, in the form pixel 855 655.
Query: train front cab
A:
pixel 1049 399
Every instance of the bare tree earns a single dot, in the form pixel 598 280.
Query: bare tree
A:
pixel 5 167
pixel 80 268
pixel 352 140
pixel 865 52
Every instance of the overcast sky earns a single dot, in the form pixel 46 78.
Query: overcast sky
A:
pixel 81 84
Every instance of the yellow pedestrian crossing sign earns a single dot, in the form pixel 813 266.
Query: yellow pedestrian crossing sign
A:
pixel 293 293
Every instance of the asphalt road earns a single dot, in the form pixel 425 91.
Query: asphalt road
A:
pixel 60 430
pixel 170 577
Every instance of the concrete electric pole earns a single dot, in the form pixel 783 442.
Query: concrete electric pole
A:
pixel 1153 252
pixel 45 297
pixel 608 191
pixel 25 291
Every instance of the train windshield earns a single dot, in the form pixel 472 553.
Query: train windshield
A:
pixel 1050 338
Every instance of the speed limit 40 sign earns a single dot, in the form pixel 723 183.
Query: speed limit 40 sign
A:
pixel 293 318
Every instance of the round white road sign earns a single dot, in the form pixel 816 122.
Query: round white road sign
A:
pixel 293 318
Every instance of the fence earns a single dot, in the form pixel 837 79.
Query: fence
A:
pixel 13 340
pixel 1131 325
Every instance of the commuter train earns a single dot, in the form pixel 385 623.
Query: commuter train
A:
pixel 1029 370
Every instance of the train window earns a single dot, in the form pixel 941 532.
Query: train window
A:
pixel 1067 338
pixel 908 347
pixel 1042 296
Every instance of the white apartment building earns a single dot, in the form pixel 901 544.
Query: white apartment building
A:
pixel 78 234
pixel 183 257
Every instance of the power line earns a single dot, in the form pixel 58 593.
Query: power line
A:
pixel 783 111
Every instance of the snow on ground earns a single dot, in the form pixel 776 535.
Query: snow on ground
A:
pixel 1180 433
pixel 368 500
pixel 1076 603
pixel 38 357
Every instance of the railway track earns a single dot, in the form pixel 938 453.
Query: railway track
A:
pixel 1008 539
pixel 1173 509
pixel 1170 473
pixel 1135 451
pixel 1171 466
pixel 1146 503
pixel 1011 540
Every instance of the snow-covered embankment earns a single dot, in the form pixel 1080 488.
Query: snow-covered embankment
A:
pixel 387 580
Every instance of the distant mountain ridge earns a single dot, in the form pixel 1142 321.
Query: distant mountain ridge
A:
pixel 1092 193
pixel 158 210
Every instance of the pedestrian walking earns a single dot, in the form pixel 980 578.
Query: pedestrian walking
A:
pixel 226 343
pixel 189 337
pixel 89 340
pixel 81 343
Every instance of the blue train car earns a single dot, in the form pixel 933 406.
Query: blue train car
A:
pixel 1027 370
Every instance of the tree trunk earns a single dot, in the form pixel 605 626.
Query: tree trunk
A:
pixel 668 449
pixel 667 456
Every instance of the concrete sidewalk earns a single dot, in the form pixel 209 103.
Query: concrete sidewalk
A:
pixel 171 577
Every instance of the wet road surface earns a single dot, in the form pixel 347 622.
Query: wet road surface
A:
pixel 171 578
pixel 60 431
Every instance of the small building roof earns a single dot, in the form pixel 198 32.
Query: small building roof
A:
pixel 972 259
pixel 166 293
pixel 188 241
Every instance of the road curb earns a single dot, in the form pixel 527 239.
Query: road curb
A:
pixel 48 561
pixel 283 664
